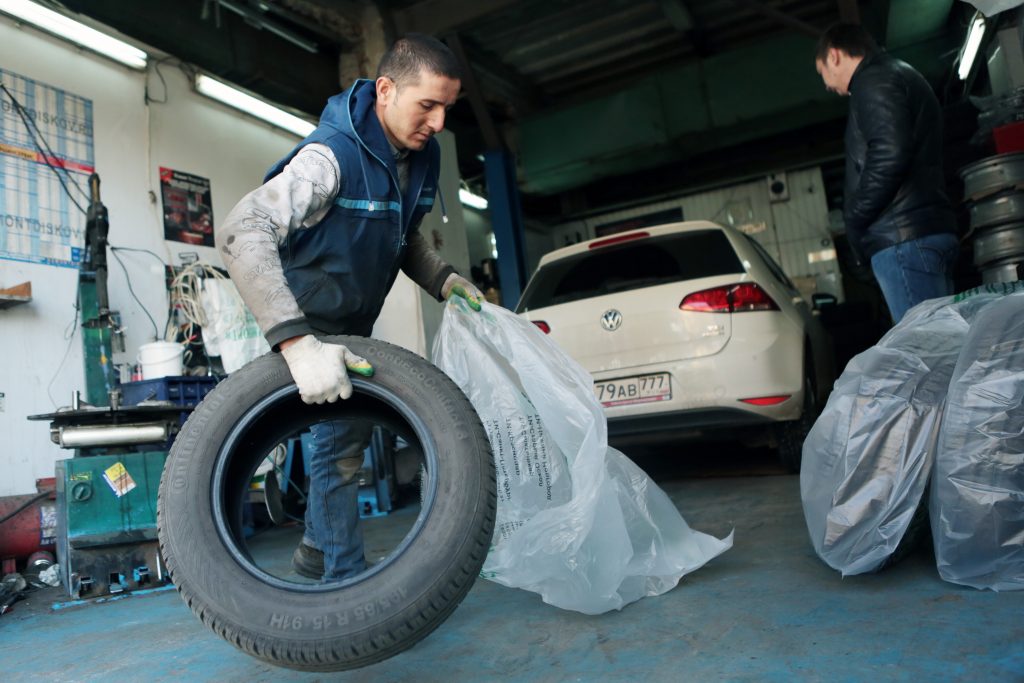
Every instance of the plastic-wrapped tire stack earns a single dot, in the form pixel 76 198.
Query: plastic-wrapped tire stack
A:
pixel 938 402
pixel 977 496
pixel 867 460
pixel 994 190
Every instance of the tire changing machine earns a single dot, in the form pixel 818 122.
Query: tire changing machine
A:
pixel 106 493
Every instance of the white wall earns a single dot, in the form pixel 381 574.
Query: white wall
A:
pixel 188 133
pixel 794 231
pixel 478 235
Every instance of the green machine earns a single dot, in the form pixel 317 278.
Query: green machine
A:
pixel 101 328
pixel 106 495
pixel 106 523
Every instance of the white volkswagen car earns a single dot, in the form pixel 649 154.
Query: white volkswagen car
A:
pixel 688 329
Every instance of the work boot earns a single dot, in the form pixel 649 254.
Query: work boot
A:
pixel 308 561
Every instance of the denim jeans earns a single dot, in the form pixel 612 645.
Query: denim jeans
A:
pixel 916 270
pixel 332 507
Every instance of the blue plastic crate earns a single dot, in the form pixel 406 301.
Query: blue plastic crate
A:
pixel 181 390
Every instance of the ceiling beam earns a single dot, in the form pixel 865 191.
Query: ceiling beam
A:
pixel 678 14
pixel 476 98
pixel 435 17
pixel 501 81
pixel 779 16
pixel 849 13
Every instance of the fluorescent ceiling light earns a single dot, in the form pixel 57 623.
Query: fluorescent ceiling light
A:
pixel 76 32
pixel 974 36
pixel 472 200
pixel 252 105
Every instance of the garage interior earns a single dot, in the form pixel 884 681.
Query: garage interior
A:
pixel 575 121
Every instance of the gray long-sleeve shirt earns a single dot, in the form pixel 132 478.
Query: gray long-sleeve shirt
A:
pixel 298 198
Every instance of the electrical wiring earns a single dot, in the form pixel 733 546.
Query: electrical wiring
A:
pixel 186 290
pixel 36 137
pixel 23 506
pixel 46 152
pixel 128 281
pixel 163 263
pixel 69 334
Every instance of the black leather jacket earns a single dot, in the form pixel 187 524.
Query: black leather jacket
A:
pixel 895 188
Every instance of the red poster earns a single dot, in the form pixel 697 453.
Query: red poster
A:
pixel 188 210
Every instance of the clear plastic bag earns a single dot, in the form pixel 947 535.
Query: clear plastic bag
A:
pixel 977 497
pixel 577 521
pixel 230 331
pixel 867 460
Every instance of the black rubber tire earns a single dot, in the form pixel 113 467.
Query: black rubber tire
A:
pixel 918 535
pixel 388 608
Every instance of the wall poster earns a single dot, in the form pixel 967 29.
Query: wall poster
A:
pixel 38 221
pixel 188 209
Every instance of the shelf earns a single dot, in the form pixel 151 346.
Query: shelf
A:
pixel 19 294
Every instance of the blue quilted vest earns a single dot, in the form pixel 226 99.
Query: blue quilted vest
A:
pixel 341 269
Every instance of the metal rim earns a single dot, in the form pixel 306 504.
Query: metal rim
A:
pixel 1000 243
pixel 993 174
pixel 997 210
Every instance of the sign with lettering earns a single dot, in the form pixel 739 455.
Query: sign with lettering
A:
pixel 46 157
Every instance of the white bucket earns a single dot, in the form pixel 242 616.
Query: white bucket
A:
pixel 160 359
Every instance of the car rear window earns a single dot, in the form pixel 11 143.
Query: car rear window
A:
pixel 631 265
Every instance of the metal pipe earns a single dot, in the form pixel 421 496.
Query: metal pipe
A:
pixel 109 435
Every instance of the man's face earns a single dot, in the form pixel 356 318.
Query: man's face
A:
pixel 832 73
pixel 412 112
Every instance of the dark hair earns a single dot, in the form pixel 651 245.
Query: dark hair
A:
pixel 849 38
pixel 415 51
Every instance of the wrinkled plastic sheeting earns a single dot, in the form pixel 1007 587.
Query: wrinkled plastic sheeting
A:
pixel 867 460
pixel 577 521
pixel 990 8
pixel 977 497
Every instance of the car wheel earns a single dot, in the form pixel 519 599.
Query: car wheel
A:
pixel 790 435
pixel 917 535
pixel 389 606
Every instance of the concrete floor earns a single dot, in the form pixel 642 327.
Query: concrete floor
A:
pixel 767 610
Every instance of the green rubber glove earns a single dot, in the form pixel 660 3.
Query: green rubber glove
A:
pixel 456 285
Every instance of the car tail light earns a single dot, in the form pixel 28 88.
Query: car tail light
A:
pixel 618 239
pixel 544 327
pixel 766 400
pixel 747 296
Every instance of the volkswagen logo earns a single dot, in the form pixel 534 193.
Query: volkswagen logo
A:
pixel 611 320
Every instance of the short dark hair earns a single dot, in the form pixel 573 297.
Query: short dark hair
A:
pixel 415 51
pixel 849 38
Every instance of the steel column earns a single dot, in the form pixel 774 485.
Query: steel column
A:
pixel 507 222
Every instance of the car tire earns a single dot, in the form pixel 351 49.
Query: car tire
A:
pixel 917 534
pixel 358 621
pixel 790 435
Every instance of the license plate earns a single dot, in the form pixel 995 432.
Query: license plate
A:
pixel 639 389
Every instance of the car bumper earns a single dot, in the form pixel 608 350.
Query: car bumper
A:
pixel 707 391
pixel 687 424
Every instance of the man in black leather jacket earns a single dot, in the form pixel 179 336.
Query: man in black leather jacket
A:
pixel 896 210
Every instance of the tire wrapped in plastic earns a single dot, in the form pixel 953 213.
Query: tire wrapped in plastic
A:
pixel 867 460
pixel 977 496
pixel 577 521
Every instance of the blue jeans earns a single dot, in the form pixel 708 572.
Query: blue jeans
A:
pixel 332 508
pixel 916 270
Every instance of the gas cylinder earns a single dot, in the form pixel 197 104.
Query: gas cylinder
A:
pixel 28 530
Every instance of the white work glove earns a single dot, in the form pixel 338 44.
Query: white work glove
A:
pixel 320 370
pixel 459 286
